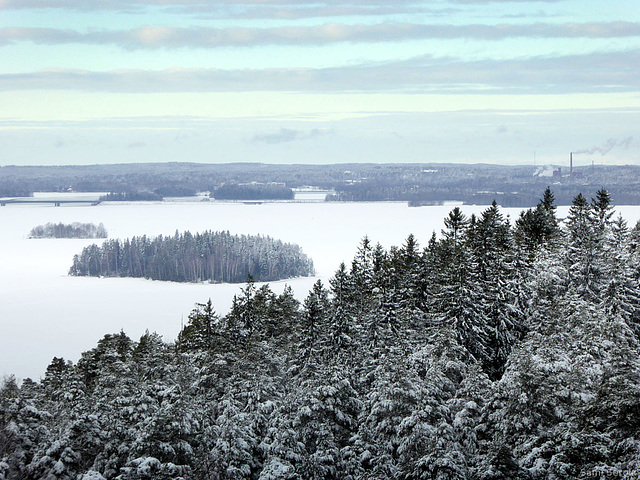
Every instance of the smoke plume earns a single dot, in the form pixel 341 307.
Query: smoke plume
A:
pixel 608 146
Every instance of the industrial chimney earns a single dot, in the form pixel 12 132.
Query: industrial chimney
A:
pixel 571 164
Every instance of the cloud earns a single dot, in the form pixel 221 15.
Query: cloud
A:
pixel 186 5
pixel 151 37
pixel 538 14
pixel 484 2
pixel 50 36
pixel 616 72
pixel 286 135
pixel 308 9
pixel 225 5
pixel 326 11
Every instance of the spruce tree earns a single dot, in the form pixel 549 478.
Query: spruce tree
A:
pixel 586 228
pixel 315 321
pixel 201 329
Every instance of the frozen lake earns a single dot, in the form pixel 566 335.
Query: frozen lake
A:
pixel 45 313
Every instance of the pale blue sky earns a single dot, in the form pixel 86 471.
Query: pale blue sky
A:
pixel 86 81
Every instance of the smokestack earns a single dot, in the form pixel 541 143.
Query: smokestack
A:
pixel 571 164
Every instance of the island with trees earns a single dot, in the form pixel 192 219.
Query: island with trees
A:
pixel 137 196
pixel 72 230
pixel 496 351
pixel 201 257
pixel 252 191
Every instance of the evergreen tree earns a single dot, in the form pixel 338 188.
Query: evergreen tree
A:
pixel 362 275
pixel 584 248
pixel 452 250
pixel 283 314
pixel 491 243
pixel 243 314
pixel 315 319
pixel 478 293
pixel 413 283
pixel 201 328
pixel 621 294
pixel 341 315
pixel 550 406
pixel 603 211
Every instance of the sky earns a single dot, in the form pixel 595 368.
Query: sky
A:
pixel 340 81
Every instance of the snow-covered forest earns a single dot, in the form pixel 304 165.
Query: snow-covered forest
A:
pixel 186 257
pixel 494 351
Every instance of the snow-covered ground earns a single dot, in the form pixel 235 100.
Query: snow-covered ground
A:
pixel 45 313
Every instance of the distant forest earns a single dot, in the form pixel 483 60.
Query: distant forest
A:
pixel 418 184
pixel 495 351
pixel 186 257
pixel 73 230
pixel 233 191
pixel 131 197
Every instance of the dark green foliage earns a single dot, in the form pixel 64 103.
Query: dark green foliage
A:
pixel 208 256
pixel 483 356
pixel 73 230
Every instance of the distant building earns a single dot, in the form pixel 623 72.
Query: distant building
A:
pixel 558 172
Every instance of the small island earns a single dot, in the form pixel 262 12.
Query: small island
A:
pixel 73 230
pixel 131 197
pixel 253 191
pixel 216 257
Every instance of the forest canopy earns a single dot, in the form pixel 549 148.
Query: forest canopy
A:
pixel 73 230
pixel 496 351
pixel 201 257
